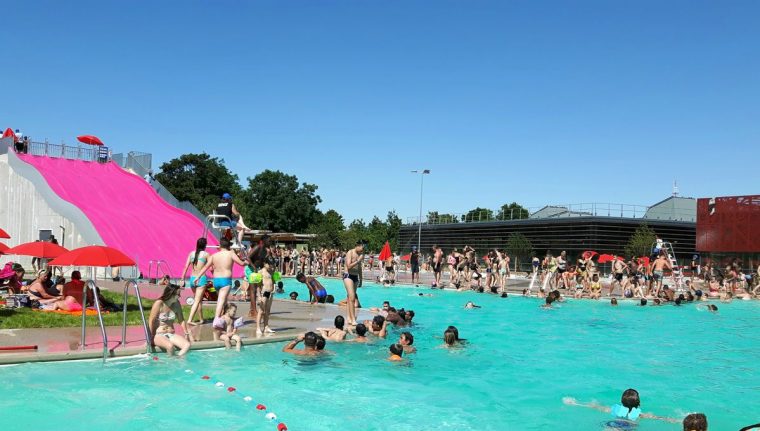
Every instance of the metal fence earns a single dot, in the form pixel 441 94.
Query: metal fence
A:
pixel 88 153
pixel 593 209
pixel 138 162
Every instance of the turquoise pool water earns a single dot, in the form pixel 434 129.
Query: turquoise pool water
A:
pixel 518 365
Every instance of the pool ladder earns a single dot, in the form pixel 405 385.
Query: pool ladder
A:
pixel 91 286
pixel 160 272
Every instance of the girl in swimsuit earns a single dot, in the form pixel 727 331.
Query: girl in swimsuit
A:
pixel 197 259
pixel 165 311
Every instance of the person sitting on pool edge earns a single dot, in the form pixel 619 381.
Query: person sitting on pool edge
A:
pixel 406 339
pixel 226 327
pixel 164 312
pixel 309 343
pixel 397 351
pixel 695 422
pixel 628 410
pixel 337 333
pixel 317 292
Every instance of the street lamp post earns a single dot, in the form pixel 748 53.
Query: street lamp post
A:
pixel 422 173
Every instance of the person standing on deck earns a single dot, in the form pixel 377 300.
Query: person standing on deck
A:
pixel 351 280
pixel 222 262
pixel 437 265
pixel 414 261
pixel 256 259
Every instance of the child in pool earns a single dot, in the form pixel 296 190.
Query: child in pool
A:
pixel 629 408
pixel 225 327
pixel 397 351
pixel 695 422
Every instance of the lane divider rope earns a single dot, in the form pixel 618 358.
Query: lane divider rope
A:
pixel 232 390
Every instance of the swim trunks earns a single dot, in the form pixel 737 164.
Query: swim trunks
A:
pixel 353 277
pixel 221 283
pixel 320 293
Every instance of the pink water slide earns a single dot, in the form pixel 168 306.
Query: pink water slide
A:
pixel 124 209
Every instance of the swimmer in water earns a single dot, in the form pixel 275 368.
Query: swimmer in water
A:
pixel 309 343
pixel 709 307
pixel 378 326
pixel 470 305
pixel 337 333
pixel 397 351
pixel 406 339
pixel 449 338
pixel 361 334
pixel 695 422
pixel 548 301
pixel 613 302
pixel 629 409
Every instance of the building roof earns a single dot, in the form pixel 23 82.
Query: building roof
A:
pixel 673 208
pixel 553 211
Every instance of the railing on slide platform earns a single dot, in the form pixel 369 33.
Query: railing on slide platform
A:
pixel 87 153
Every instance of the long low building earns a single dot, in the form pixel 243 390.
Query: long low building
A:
pixel 573 231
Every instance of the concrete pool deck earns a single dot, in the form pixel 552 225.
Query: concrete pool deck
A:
pixel 288 319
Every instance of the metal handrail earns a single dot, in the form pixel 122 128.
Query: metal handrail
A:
pixel 91 285
pixel 158 267
pixel 142 315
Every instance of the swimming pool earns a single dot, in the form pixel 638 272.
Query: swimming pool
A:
pixel 519 363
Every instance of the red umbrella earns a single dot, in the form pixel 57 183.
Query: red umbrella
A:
pixel 385 253
pixel 43 249
pixel 89 140
pixel 604 258
pixel 4 234
pixel 589 253
pixel 644 260
pixel 406 257
pixel 3 248
pixel 94 255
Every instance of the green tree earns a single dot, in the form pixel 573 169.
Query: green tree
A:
pixel 434 218
pixel 277 202
pixel 513 211
pixel 200 179
pixel 640 243
pixel 478 214
pixel 328 228
pixel 393 226
pixel 518 246
pixel 356 231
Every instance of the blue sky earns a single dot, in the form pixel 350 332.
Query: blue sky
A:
pixel 535 102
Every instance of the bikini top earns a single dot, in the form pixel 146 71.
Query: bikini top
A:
pixel 167 319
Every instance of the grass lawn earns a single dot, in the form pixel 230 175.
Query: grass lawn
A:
pixel 27 318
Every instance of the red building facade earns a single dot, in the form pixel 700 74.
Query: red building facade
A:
pixel 729 228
